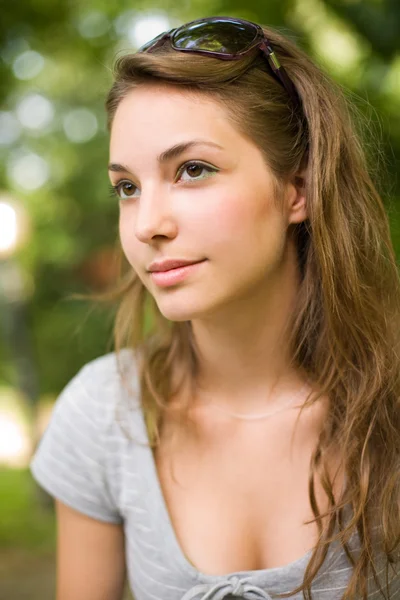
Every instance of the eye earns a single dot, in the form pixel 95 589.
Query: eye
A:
pixel 195 171
pixel 125 189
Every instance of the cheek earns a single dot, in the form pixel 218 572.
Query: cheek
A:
pixel 239 218
pixel 130 244
pixel 246 236
pixel 224 214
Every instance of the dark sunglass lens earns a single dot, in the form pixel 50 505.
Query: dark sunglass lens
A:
pixel 226 37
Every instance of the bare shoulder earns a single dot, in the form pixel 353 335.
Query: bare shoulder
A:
pixel 90 557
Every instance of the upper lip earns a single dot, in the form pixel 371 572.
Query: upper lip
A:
pixel 170 263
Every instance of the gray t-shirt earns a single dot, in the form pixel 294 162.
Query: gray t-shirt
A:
pixel 87 460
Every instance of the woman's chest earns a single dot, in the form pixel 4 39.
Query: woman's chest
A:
pixel 239 502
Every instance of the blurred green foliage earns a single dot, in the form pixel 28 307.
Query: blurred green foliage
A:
pixel 25 523
pixel 73 218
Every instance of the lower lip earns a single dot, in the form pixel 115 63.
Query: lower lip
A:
pixel 167 278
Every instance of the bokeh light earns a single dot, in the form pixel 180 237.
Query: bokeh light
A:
pixel 15 445
pixel 93 24
pixel 339 48
pixel 8 228
pixel 14 224
pixel 15 438
pixel 10 128
pixel 13 47
pixel 35 111
pixel 28 64
pixel 124 21
pixel 146 27
pixel 80 125
pixel 334 42
pixel 28 170
pixel 391 83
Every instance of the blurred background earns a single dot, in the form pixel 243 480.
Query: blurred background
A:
pixel 58 223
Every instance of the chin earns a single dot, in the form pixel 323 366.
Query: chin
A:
pixel 174 314
pixel 176 310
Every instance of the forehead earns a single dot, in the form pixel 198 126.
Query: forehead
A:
pixel 151 112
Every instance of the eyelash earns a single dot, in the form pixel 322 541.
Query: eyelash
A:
pixel 114 188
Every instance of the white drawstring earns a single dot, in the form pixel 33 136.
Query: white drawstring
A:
pixel 230 587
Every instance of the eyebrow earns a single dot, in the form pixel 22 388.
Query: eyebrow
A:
pixel 169 154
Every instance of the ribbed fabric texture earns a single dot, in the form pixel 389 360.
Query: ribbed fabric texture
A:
pixel 94 457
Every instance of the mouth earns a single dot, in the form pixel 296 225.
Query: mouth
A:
pixel 170 264
pixel 175 275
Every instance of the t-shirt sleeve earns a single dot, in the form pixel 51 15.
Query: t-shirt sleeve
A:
pixel 70 460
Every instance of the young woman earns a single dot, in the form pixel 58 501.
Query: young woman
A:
pixel 244 442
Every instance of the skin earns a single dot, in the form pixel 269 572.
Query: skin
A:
pixel 240 299
pixel 238 302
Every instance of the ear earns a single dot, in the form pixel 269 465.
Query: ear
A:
pixel 296 198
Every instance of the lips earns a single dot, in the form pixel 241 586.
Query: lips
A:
pixel 173 277
pixel 168 265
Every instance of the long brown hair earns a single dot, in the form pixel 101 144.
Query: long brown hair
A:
pixel 344 332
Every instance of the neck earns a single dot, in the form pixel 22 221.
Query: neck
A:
pixel 243 354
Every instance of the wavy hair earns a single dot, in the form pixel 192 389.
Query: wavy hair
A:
pixel 344 330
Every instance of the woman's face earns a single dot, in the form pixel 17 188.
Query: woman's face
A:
pixel 192 187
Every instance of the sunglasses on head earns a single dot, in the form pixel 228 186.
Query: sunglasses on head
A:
pixel 225 38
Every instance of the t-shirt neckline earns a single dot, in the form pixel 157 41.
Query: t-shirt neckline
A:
pixel 170 538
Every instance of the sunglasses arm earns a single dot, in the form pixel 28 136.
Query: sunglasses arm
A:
pixel 280 72
pixel 161 40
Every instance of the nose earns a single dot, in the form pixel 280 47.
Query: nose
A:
pixel 154 216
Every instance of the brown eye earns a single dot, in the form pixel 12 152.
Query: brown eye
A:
pixel 194 170
pixel 126 189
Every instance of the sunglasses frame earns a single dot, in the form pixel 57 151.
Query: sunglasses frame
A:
pixel 260 41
